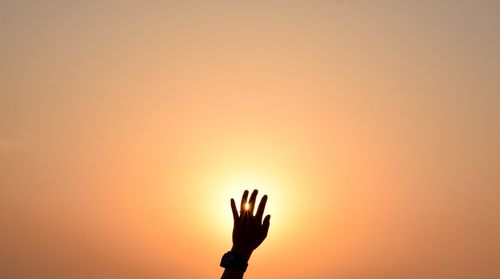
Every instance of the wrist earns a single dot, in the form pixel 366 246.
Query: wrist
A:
pixel 245 253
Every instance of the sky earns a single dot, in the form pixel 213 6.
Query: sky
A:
pixel 127 126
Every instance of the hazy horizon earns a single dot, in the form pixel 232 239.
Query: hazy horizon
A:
pixel 373 126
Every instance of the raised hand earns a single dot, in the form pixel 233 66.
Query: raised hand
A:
pixel 249 231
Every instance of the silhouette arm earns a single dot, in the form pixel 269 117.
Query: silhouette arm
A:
pixel 249 230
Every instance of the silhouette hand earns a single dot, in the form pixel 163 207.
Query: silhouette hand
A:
pixel 249 231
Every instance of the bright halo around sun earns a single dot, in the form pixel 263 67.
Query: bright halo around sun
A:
pixel 218 219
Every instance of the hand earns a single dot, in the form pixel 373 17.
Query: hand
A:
pixel 249 231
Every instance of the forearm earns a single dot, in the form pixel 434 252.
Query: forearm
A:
pixel 232 274
pixel 235 273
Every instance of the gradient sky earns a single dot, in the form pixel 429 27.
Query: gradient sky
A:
pixel 126 127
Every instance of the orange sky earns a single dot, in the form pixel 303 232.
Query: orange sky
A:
pixel 126 127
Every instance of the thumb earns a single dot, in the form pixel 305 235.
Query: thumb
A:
pixel 266 224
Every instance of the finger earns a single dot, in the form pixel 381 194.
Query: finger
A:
pixel 251 203
pixel 235 211
pixel 266 224
pixel 243 201
pixel 260 209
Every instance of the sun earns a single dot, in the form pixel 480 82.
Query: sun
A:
pixel 215 185
pixel 230 184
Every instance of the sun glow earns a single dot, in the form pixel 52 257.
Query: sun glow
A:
pixel 235 170
pixel 222 186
